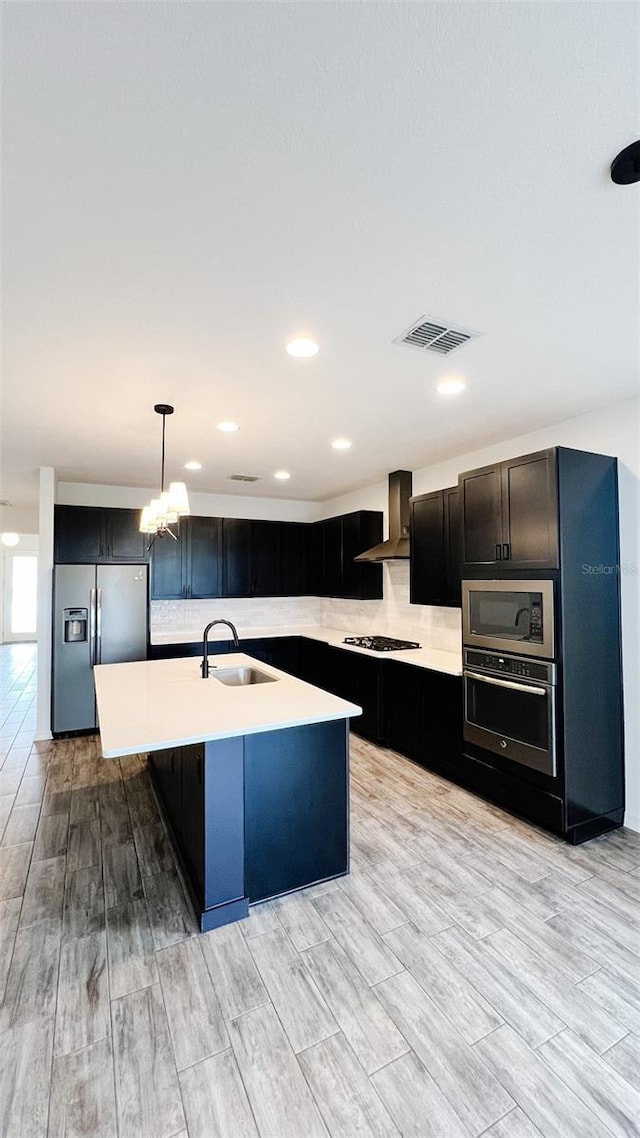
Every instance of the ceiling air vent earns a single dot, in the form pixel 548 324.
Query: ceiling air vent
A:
pixel 244 478
pixel 431 335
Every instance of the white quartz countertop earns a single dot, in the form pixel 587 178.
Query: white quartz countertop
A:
pixel 154 704
pixel 433 658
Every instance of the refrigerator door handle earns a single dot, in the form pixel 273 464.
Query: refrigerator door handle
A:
pixel 99 627
pixel 92 627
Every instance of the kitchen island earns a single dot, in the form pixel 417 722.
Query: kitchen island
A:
pixel 251 767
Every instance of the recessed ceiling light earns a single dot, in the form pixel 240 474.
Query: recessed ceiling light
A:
pixel 341 444
pixel 193 465
pixel 228 426
pixel 302 347
pixel 282 475
pixel 451 386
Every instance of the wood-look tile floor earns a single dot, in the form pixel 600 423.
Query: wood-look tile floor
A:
pixel 472 976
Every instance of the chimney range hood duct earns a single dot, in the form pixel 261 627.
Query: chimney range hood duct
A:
pixel 396 548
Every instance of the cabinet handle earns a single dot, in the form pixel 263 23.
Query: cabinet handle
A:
pixel 505 551
pixel 498 552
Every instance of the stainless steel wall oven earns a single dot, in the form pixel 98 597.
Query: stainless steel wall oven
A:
pixel 510 707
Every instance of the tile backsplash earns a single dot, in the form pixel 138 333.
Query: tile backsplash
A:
pixel 249 614
pixel 392 616
pixel 395 616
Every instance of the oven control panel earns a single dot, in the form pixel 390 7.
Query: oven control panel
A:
pixel 509 665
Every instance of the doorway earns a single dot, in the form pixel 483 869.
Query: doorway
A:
pixel 20 594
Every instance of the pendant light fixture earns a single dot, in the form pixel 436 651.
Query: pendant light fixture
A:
pixel 165 511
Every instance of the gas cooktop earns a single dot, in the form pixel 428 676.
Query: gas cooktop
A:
pixel 380 643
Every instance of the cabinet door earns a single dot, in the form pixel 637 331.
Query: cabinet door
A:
pixel 316 569
pixel 530 510
pixel 236 553
pixel 441 721
pixel 204 557
pixel 361 580
pixel 167 568
pixel 332 557
pixel 124 540
pixel 192 812
pixel 296 555
pixel 79 534
pixel 265 559
pixel 452 546
pixel 482 537
pixel 402 701
pixel 359 678
pixel 427 545
pixel 261 648
pixel 285 653
pixel 167 769
pixel 313 663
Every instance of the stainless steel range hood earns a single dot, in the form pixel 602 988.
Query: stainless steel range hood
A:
pixel 396 548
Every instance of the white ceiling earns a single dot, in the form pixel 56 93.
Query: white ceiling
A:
pixel 188 185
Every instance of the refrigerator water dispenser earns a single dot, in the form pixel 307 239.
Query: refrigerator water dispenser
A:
pixel 76 624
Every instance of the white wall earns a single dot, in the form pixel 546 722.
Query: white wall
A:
pixel 202 505
pixel 614 431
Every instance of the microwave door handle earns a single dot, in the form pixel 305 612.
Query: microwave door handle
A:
pixel 506 684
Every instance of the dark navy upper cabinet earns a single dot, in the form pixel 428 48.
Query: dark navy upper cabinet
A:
pixel 230 557
pixel 204 557
pixel 331 584
pixel 435 548
pixel 123 538
pixel 167 568
pixel 510 514
pixel 265 558
pixel 530 511
pixel 481 499
pixel 361 530
pixel 343 538
pixel 78 534
pixel 189 567
pixel 90 534
pixel 296 554
pixel 236 554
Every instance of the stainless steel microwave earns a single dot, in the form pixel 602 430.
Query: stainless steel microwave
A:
pixel 509 616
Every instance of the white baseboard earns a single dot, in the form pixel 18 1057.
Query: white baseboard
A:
pixel 632 822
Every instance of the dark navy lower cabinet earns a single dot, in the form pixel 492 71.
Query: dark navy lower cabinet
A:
pixel 257 816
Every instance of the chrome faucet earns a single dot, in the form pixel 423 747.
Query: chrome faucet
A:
pixel 204 667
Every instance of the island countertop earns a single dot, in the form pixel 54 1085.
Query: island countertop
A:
pixel 155 704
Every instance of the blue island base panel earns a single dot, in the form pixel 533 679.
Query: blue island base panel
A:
pixel 224 914
pixel 257 816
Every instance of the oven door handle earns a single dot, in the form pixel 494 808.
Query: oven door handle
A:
pixel 506 684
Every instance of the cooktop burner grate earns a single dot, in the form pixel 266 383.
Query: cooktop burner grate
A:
pixel 380 643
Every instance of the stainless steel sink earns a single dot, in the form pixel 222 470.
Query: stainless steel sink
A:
pixel 241 677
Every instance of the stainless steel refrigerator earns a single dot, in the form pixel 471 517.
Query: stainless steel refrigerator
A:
pixel 100 617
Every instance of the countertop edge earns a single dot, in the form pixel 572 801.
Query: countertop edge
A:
pixel 332 637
